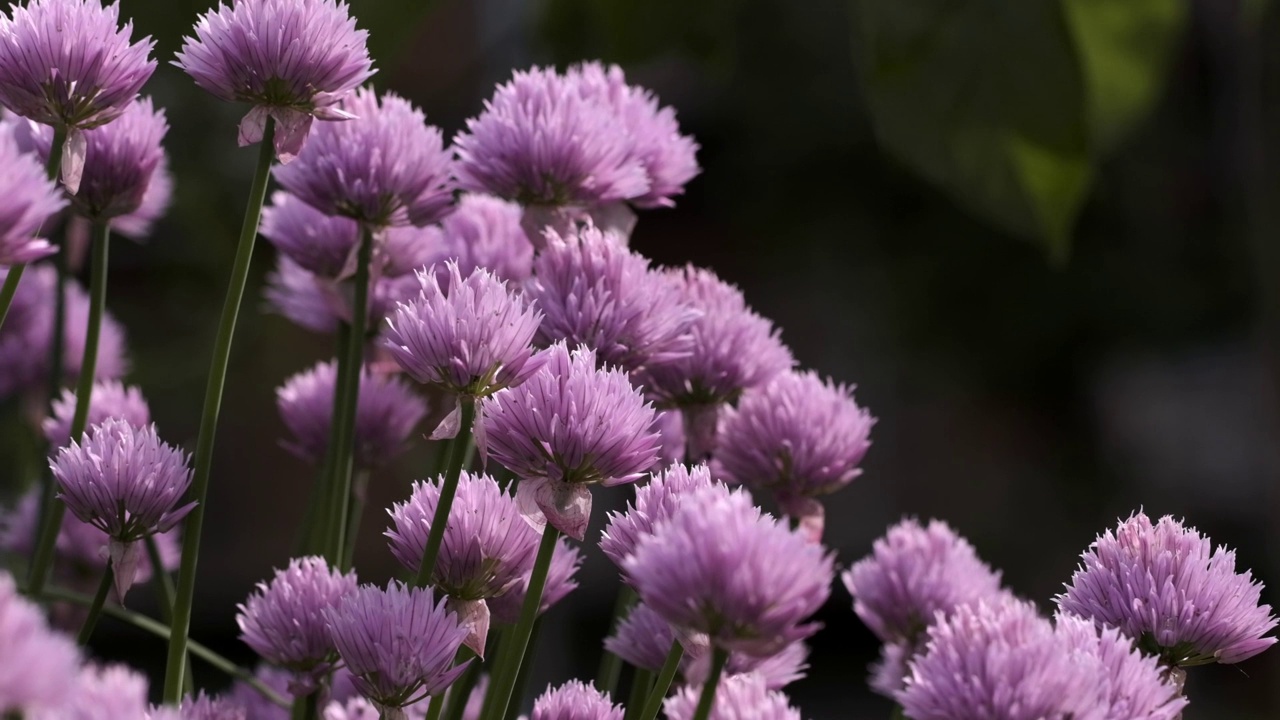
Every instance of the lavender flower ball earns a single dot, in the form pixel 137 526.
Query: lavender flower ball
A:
pixel 485 232
pixel 574 701
pixel 255 704
pixel 387 411
pixel 593 291
pixel 717 566
pixel 655 501
pixel 738 697
pixel 398 643
pixel 206 707
pixel 109 399
pixel 387 168
pixel 104 692
pixel 1164 586
pixel 912 574
pixel 1134 684
pixel 120 159
pixel 293 60
pixel 27 199
pixel 283 621
pixel 561 580
pixel 469 336
pixel 569 426
pixel 319 243
pixel 137 225
pixel 38 667
pixel 294 293
pixel 112 357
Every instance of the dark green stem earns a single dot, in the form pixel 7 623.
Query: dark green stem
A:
pixel 434 708
pixel 53 509
pixel 319 518
pixel 640 684
pixel 304 707
pixel 359 494
pixel 164 590
pixel 209 421
pixel 522 678
pixel 349 398
pixel 11 280
pixel 456 455
pixel 460 691
pixel 95 608
pixel 610 664
pixel 506 673
pixel 663 683
pixel 708 698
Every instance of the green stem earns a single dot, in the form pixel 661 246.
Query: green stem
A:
pixel 359 494
pixel 506 674
pixel 319 518
pixel 95 608
pixel 898 713
pixel 522 679
pixel 434 708
pixel 11 280
pixel 456 455
pixel 53 168
pixel 663 683
pixel 53 509
pixel 610 664
pixel 164 589
pixel 178 640
pixel 344 418
pixel 640 684
pixel 460 691
pixel 718 659
pixel 304 707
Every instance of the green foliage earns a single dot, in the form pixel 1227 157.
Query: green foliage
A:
pixel 1008 107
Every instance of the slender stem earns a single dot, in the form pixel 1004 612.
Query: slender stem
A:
pixel 663 683
pixel 522 678
pixel 718 659
pixel 95 608
pixel 436 705
pixel 506 674
pixel 53 168
pixel 898 713
pixel 456 453
pixel 319 509
pixel 53 508
pixel 304 707
pixel 359 494
pixel 610 664
pixel 640 684
pixel 164 589
pixel 178 640
pixel 349 397
pixel 11 280
pixel 460 691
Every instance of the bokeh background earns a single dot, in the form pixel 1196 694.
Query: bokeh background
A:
pixel 1045 353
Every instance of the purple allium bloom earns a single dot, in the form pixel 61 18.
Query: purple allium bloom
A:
pixel 398 643
pixel 105 693
pixel 356 708
pixel 470 335
pixel 387 168
pixel 738 697
pixel 120 159
pixel 887 673
pixel 912 574
pixel 594 291
pixel 110 399
pixel 319 243
pixel 1006 661
pixel 574 701
pixel 720 567
pixel 387 411
pixel 206 707
pixel 256 705
pixel 670 424
pixel 27 199
pixel 296 294
pixel 112 360
pixel 655 501
pixel 486 550
pixel 484 231
pixel 38 666
pixel 561 581
pixel 67 63
pixel 1164 586
pixel 798 437
pixel 137 225
pixel 127 483
pixel 283 621
pixel 294 60
pixel 569 426
pixel 642 638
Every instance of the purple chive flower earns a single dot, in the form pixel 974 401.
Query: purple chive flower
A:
pixel 487 546
pixel 1164 586
pixel 68 64
pixel 670 424
pixel 484 232
pixel 561 580
pixel 642 638
pixel 120 160
pixel 296 294
pixel 110 399
pixel 206 707
pixel 798 437
pixel 398 643
pixel 38 666
pixel 1004 660
pixel 887 673
pixel 470 336
pixel 655 501
pixel 255 704
pixel 593 291
pixel 738 697
pixel 319 243
pixel 27 199
pixel 137 225
pixel 356 708
pixel 103 692
pixel 388 168
pixel 283 621
pixel 387 411
pixel 569 426
pixel 112 360
pixel 734 349
pixel 912 574
pixel 717 566
pixel 127 483
pixel 292 60
pixel 574 701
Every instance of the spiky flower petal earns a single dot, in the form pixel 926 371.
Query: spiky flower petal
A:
pixel 574 700
pixel 110 399
pixel 738 697
pixel 38 667
pixel 27 199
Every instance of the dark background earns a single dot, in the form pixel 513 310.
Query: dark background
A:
pixel 1028 401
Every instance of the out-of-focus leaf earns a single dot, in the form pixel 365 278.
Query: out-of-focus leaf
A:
pixel 1254 10
pixel 1124 50
pixel 985 99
